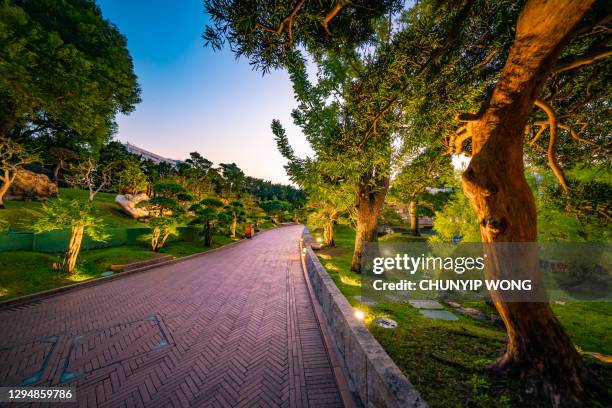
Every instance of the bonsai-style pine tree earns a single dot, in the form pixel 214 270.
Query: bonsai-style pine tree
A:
pixel 165 211
pixel 235 211
pixel 208 214
pixel 76 216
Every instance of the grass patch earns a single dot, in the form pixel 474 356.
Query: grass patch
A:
pixel 20 214
pixel 23 272
pixel 447 361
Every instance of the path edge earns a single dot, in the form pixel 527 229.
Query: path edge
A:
pixel 372 374
pixel 38 296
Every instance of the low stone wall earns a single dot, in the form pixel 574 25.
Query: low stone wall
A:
pixel 374 377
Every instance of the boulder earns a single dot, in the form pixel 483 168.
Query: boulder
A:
pixel 128 203
pixel 31 186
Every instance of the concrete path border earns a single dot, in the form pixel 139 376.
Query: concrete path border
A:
pixel 372 375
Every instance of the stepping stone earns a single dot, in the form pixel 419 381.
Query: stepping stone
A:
pixel 385 323
pixel 107 273
pixel 365 300
pixel 426 304
pixel 473 313
pixel 439 314
pixel 395 298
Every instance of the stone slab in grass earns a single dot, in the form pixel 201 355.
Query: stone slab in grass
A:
pixel 426 304
pixel 438 314
pixel 395 298
pixel 365 300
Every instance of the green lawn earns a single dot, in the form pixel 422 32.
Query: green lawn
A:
pixel 24 272
pixel 447 361
pixel 20 214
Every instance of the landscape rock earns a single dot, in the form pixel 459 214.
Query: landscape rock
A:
pixel 439 314
pixel 31 186
pixel 128 203
pixel 425 304
pixel 385 323
pixel 365 301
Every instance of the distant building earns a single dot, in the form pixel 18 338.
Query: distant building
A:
pixel 147 155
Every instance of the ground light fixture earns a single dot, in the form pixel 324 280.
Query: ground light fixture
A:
pixel 359 314
pixel 319 239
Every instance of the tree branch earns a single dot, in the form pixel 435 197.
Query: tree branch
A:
pixel 333 13
pixel 569 63
pixel 437 53
pixel 552 143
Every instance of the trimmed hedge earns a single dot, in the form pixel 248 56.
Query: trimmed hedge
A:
pixel 57 241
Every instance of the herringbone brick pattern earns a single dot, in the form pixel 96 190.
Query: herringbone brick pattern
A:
pixel 233 328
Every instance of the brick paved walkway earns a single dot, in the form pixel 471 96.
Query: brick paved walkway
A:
pixel 231 328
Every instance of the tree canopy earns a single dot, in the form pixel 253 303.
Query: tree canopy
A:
pixel 64 70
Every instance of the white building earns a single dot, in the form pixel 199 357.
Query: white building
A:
pixel 147 155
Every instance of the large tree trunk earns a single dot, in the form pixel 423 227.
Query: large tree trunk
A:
pixel 329 233
pixel 369 199
pixel 414 219
pixel 74 247
pixel 538 348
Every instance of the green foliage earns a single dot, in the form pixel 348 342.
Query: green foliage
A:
pixel 130 179
pixel 276 209
pixel 456 220
pixel 208 214
pixel 267 31
pixel 63 69
pixel 62 214
pixel 583 214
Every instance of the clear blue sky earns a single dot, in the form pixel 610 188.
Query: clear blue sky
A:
pixel 194 99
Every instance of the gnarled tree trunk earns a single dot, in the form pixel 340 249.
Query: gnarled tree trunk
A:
pixel 7 179
pixel 155 237
pixel 74 247
pixel 414 219
pixel 329 230
pixel 369 198
pixel 538 348
pixel 233 227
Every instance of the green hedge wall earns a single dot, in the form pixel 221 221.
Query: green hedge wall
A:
pixel 57 241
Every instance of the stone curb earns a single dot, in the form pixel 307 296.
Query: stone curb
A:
pixel 35 297
pixel 372 374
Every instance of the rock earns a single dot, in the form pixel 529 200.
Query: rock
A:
pixel 439 315
pixel 365 300
pixel 385 323
pixel 474 313
pixel 426 304
pixel 128 203
pixel 31 186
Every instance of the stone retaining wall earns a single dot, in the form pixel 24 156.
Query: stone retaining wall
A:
pixel 374 377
